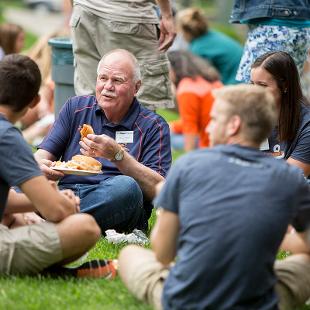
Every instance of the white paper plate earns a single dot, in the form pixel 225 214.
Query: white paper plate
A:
pixel 76 171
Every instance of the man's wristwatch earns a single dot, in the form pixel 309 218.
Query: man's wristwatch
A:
pixel 119 155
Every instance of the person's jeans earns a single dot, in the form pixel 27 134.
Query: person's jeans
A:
pixel 115 203
pixel 177 141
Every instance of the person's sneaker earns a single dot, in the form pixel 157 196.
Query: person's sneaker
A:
pixel 99 268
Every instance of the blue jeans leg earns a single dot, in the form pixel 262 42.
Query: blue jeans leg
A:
pixel 115 203
pixel 177 141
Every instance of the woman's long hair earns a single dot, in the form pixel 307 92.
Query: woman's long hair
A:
pixel 8 37
pixel 185 64
pixel 284 71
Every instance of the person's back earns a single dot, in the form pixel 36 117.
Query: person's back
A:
pixel 194 79
pixel 194 96
pixel 222 51
pixel 243 202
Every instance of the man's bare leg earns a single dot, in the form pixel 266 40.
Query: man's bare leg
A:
pixel 78 233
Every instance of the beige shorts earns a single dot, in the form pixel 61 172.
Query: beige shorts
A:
pixel 293 285
pixel 146 277
pixel 29 249
pixel 94 36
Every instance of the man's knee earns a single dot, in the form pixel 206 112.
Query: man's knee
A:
pixel 129 191
pixel 143 275
pixel 89 225
pixel 127 254
pixel 80 225
pixel 293 287
pixel 129 188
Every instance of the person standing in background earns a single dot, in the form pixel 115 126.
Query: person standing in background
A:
pixel 221 51
pixel 279 25
pixel 101 26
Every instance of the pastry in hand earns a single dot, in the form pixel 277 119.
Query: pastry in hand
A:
pixel 86 129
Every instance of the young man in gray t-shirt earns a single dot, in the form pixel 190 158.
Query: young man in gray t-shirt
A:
pixel 65 235
pixel 222 215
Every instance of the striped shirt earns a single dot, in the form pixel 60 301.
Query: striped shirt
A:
pixel 151 137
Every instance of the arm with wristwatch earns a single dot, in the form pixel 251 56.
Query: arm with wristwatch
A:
pixel 108 148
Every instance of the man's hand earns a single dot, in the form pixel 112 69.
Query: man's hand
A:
pixel 167 32
pixel 51 174
pixel 31 218
pixel 75 200
pixel 99 146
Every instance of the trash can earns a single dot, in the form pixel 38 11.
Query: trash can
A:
pixel 62 70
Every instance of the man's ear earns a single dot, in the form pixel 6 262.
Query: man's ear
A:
pixel 35 101
pixel 137 86
pixel 233 126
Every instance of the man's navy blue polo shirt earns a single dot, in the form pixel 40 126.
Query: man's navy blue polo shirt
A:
pixel 151 137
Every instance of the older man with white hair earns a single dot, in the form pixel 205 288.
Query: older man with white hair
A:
pixel 131 142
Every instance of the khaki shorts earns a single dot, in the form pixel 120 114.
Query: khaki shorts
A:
pixel 94 36
pixel 146 277
pixel 293 285
pixel 29 249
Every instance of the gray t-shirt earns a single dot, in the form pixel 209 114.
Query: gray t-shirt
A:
pixel 299 148
pixel 234 205
pixel 17 163
pixel 129 11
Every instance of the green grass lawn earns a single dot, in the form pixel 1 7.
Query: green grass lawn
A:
pixel 47 293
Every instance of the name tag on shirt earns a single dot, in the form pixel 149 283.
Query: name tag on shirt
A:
pixel 124 137
pixel 264 146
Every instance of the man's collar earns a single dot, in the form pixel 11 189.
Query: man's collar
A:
pixel 129 119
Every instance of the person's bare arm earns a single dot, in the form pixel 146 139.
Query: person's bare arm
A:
pixel 52 204
pixel 146 177
pixel 17 203
pixel 106 147
pixel 164 236
pixel 167 26
pixel 303 166
pixel 45 160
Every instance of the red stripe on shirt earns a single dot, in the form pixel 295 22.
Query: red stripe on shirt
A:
pixel 140 144
pixel 87 107
pixel 160 140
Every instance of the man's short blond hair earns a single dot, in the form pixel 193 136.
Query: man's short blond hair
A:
pixel 254 105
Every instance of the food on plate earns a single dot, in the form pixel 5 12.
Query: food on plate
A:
pixel 80 162
pixel 86 129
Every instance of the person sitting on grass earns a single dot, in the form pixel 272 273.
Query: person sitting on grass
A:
pixel 222 214
pixel 131 142
pixel 290 138
pixel 65 235
pixel 194 79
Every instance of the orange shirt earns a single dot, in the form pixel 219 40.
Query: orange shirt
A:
pixel 195 101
